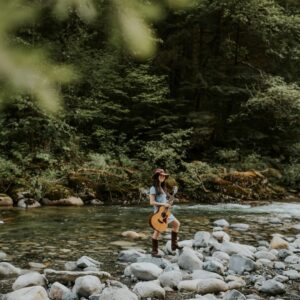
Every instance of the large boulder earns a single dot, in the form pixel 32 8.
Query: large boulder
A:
pixel 5 200
pixel 87 285
pixel 58 291
pixel 272 287
pixel 145 271
pixel 28 293
pixel 278 243
pixel 170 279
pixel 7 270
pixel 201 239
pixel 189 260
pixel 29 279
pixel 240 264
pixel 150 289
pixel 203 286
pixel 115 293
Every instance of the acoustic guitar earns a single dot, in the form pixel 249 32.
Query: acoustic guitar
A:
pixel 159 220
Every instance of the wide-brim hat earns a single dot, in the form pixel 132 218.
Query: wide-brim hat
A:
pixel 160 172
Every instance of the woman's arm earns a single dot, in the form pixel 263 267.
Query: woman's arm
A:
pixel 154 203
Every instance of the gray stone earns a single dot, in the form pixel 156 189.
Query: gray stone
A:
pixel 113 293
pixel 234 295
pixel 188 260
pixel 240 264
pixel 214 266
pixel 130 255
pixel 29 279
pixel 87 285
pixel 170 279
pixel 272 287
pixel 57 291
pixel 145 271
pixel 160 262
pixel 28 293
pixel 221 223
pixel 239 226
pixel 202 274
pixel 201 239
pixel 85 262
pixel 7 270
pixel 149 290
pixel 292 274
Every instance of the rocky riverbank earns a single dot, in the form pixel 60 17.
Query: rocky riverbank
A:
pixel 210 266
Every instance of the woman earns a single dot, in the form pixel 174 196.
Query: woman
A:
pixel 158 197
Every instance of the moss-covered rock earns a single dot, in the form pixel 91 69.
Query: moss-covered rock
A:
pixel 56 191
pixel 5 200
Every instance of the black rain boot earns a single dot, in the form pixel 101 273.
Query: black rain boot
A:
pixel 155 248
pixel 174 244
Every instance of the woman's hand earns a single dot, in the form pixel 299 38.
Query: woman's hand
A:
pixel 167 205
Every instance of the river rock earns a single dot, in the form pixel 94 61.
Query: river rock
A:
pixel 85 262
pixel 240 264
pixel 3 256
pixel 222 256
pixel 29 279
pixel 296 243
pixel 221 223
pixel 281 278
pixel 221 236
pixel 292 259
pixel 130 255
pixel 28 203
pixel 265 255
pixel 292 274
pixel 57 291
pixel 87 285
pixel 234 295
pixel 145 271
pixel 239 226
pixel 203 286
pixel 150 289
pixel 263 262
pixel 70 276
pixel 132 235
pixel 115 293
pixel 202 274
pixel 278 243
pixel 235 248
pixel 159 261
pixel 28 293
pixel 272 287
pixel 201 239
pixel 235 282
pixel 7 270
pixel 279 265
pixel 5 200
pixel 71 201
pixel 188 260
pixel 170 279
pixel 283 253
pixel 214 266
pixel 36 266
pixel 205 297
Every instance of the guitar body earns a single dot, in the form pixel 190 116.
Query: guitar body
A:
pixel 159 220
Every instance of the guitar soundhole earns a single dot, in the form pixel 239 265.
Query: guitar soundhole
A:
pixel 163 215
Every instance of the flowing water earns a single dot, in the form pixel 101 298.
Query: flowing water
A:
pixel 55 235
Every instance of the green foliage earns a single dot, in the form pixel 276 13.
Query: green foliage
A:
pixel 168 152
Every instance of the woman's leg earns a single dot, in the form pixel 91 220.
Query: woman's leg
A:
pixel 175 225
pixel 155 236
pixel 175 229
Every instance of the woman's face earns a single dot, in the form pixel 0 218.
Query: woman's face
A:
pixel 161 178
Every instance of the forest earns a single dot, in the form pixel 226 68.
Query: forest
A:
pixel 214 99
